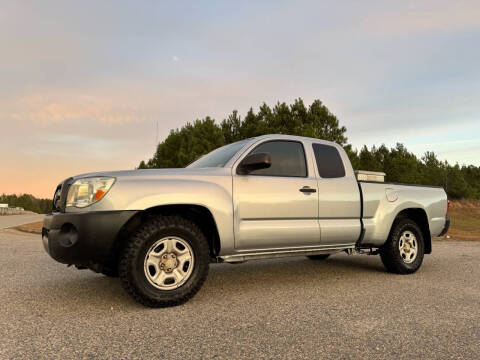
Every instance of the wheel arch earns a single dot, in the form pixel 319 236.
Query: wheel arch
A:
pixel 198 214
pixel 419 216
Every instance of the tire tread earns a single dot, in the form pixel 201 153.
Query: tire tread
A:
pixel 131 251
pixel 389 252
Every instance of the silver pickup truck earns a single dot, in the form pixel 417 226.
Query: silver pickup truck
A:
pixel 268 196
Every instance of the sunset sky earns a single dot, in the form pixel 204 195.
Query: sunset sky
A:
pixel 82 83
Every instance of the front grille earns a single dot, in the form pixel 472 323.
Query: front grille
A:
pixel 56 198
pixel 60 196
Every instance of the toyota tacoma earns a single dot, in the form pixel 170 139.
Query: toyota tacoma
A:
pixel 263 197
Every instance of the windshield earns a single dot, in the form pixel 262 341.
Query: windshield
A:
pixel 218 157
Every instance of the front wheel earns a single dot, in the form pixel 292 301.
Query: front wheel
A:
pixel 403 252
pixel 165 262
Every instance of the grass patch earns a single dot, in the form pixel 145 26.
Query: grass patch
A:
pixel 465 220
pixel 32 228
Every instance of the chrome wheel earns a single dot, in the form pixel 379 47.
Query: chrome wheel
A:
pixel 169 263
pixel 408 246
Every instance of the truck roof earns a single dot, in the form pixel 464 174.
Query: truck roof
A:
pixel 295 137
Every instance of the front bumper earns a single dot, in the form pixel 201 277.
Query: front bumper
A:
pixel 446 226
pixel 83 238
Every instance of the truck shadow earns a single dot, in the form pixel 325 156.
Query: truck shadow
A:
pixel 81 289
pixel 299 270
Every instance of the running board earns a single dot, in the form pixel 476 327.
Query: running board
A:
pixel 280 253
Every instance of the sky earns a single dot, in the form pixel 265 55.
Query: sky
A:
pixel 83 83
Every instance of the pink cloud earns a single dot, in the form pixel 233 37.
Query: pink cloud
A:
pixel 47 109
pixel 420 17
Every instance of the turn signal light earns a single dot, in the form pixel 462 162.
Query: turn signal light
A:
pixel 99 194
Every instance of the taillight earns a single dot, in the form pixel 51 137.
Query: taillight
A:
pixel 448 207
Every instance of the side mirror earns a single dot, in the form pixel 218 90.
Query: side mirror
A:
pixel 254 162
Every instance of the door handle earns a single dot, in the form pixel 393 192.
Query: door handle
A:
pixel 307 190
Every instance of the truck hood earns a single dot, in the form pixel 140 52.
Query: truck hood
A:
pixel 149 173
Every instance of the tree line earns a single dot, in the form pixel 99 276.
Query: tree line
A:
pixel 184 145
pixel 28 202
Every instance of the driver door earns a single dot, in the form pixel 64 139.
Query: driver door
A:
pixel 277 207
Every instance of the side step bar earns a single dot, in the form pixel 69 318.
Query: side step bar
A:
pixel 281 253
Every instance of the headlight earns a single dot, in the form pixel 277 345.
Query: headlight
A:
pixel 86 191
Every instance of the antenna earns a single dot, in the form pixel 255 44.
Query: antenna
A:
pixel 156 134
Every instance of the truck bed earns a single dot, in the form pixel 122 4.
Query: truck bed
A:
pixel 381 202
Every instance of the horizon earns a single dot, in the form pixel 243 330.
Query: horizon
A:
pixel 79 99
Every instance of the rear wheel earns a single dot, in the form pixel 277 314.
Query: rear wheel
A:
pixel 318 257
pixel 403 252
pixel 166 261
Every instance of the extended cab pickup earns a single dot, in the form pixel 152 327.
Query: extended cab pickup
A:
pixel 268 196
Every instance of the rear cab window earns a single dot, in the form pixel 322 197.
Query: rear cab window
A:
pixel 329 162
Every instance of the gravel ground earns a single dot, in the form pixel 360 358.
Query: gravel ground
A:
pixel 346 307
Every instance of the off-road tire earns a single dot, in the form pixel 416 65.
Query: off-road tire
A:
pixel 318 257
pixel 131 266
pixel 390 253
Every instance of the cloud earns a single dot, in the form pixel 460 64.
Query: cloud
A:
pixel 49 109
pixel 424 16
pixel 442 143
pixel 391 71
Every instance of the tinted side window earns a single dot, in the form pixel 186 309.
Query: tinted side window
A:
pixel 288 159
pixel 329 162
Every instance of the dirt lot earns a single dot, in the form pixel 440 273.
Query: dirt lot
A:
pixel 9 221
pixel 33 228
